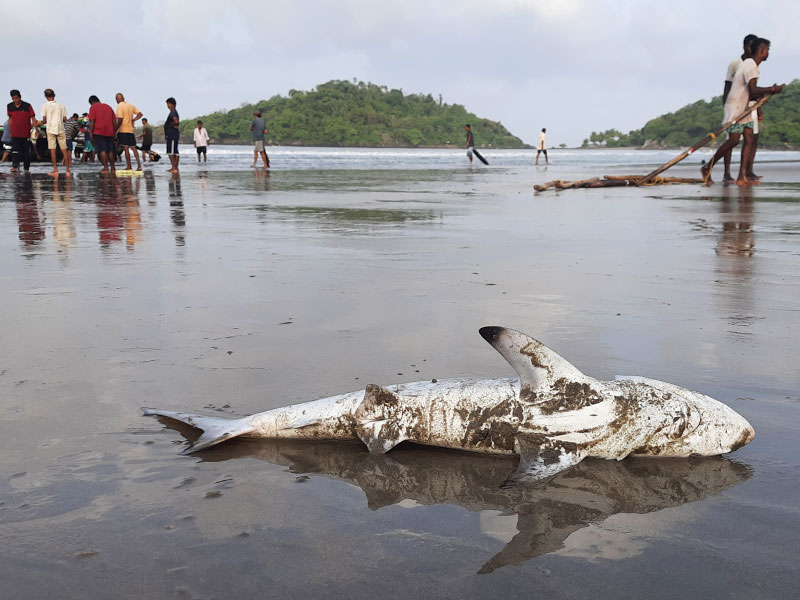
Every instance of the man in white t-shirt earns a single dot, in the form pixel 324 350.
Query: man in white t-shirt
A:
pixel 743 89
pixel 201 140
pixel 54 114
pixel 732 68
pixel 542 146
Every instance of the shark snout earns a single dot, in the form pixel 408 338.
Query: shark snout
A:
pixel 747 436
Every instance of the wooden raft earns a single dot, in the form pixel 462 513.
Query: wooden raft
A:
pixel 653 177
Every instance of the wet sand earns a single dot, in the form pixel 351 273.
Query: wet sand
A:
pixel 230 292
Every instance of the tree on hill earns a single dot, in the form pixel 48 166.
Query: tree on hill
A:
pixel 684 127
pixel 341 113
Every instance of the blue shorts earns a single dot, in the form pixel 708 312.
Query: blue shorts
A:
pixel 69 145
pixel 103 143
pixel 172 144
pixel 469 151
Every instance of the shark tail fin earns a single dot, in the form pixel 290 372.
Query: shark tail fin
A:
pixel 214 429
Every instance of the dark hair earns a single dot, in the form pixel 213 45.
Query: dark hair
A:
pixel 171 100
pixel 199 122
pixel 15 93
pixel 468 125
pixel 760 42
pixel 543 129
pixel 257 113
pixel 749 39
pixel 48 93
pixel 93 99
pixel 74 116
pixel 144 119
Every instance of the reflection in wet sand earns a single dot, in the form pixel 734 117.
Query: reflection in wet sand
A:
pixel 735 261
pixel 29 218
pixel 547 512
pixel 176 211
pixel 63 222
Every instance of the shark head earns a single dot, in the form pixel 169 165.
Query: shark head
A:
pixel 692 424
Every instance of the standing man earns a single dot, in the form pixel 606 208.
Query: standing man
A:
pixel 22 119
pixel 726 89
pixel 470 142
pixel 70 130
pixel 172 134
pixel 54 115
pixel 147 139
pixel 201 140
pixel 259 129
pixel 127 115
pixel 743 89
pixel 102 131
pixel 542 146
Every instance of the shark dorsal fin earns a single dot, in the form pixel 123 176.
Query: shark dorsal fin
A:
pixel 537 366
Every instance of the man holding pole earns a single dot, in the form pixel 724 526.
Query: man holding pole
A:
pixel 744 88
pixel 747 46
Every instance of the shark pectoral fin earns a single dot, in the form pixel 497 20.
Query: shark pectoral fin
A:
pixel 379 422
pixel 379 436
pixel 537 366
pixel 301 423
pixel 541 456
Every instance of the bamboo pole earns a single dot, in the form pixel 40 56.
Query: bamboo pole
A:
pixel 711 136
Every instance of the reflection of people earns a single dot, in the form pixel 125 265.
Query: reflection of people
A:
pixel 6 141
pixel 54 115
pixel 22 119
pixel 470 142
pixel 201 140
pixel 259 130
pixel 29 220
pixel 176 211
pixel 172 133
pixel 127 115
pixel 542 146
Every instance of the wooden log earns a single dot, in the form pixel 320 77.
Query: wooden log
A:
pixel 711 136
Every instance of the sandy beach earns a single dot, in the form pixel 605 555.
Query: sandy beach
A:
pixel 230 292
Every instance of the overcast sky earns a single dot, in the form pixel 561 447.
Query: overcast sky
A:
pixel 572 66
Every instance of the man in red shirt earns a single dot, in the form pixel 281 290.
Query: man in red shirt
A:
pixel 21 119
pixel 102 131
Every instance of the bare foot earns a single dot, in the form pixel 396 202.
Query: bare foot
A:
pixel 68 172
pixel 13 170
pixel 744 181
pixel 753 176
pixel 705 171
pixel 727 177
pixel 173 170
pixel 103 171
pixel 53 173
pixel 139 168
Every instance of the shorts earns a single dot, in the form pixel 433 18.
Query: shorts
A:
pixel 740 127
pixel 69 145
pixel 52 138
pixel 103 143
pixel 87 145
pixel 201 150
pixel 172 145
pixel 469 151
pixel 146 147
pixel 126 139
pixel 259 145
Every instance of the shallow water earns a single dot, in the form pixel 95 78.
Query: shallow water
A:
pixel 230 292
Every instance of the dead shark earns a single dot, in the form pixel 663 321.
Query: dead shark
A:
pixel 552 415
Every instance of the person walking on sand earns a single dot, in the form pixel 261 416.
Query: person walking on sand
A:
pixel 747 46
pixel 172 134
pixel 470 142
pixel 542 146
pixel 743 88
pixel 259 129
pixel 54 115
pixel 201 140
pixel 6 141
pixel 127 115
pixel 147 139
pixel 102 131
pixel 22 119
pixel 70 131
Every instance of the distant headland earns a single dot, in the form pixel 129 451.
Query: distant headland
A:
pixel 355 114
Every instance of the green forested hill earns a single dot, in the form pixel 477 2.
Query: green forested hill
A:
pixel 780 128
pixel 341 113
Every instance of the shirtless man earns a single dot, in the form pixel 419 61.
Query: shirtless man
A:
pixel 743 89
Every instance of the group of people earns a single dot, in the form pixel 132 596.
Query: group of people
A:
pixel 741 91
pixel 108 133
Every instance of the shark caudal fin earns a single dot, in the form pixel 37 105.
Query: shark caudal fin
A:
pixel 215 429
